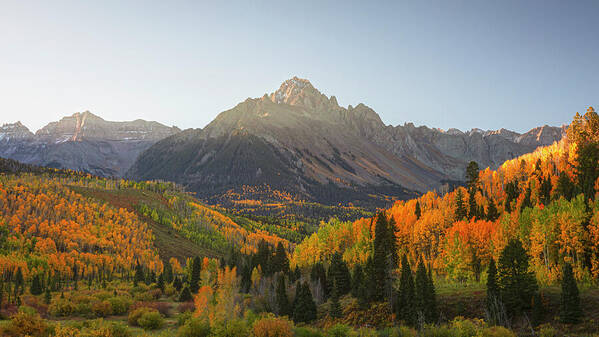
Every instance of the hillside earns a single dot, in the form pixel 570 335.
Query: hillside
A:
pixel 301 144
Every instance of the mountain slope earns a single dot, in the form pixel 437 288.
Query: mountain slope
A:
pixel 301 142
pixel 82 142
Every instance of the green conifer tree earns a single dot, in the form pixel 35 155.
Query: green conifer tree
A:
pixel 36 285
pixel 460 212
pixel 406 303
pixel 185 295
pixel 417 210
pixel 571 312
pixel 194 279
pixel 517 284
pixel 335 306
pixel 281 297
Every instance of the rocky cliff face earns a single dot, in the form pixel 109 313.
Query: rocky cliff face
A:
pixel 302 142
pixel 83 142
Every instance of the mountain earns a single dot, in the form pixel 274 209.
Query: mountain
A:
pixel 297 143
pixel 83 142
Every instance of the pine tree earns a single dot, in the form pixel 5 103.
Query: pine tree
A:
pixel 417 210
pixel 381 257
pixel 460 212
pixel 369 279
pixel 406 303
pixel 472 175
pixel 177 283
pixel 168 273
pixel 318 275
pixel 492 213
pixel 335 308
pixel 545 190
pixel 565 187
pixel 421 290
pixel 431 311
pixel 139 275
pixel 493 301
pixel 185 295
pixel 36 285
pixel 47 296
pixel 19 282
pixel 280 260
pixel 357 280
pixel 339 273
pixel 571 312
pixel 281 297
pixel 538 310
pixel 587 169
pixel 527 202
pixel 304 308
pixel 161 283
pixel 473 212
pixel 196 272
pixel 517 285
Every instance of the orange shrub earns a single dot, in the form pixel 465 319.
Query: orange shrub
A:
pixel 270 326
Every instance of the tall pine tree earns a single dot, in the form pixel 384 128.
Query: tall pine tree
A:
pixel 196 272
pixel 570 312
pixel 281 297
pixel 381 257
pixel 517 284
pixel 406 301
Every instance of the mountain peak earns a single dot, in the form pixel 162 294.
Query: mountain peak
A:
pixel 300 92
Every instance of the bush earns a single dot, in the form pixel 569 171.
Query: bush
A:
pixel 402 331
pixel 120 305
pixel 118 329
pixel 307 332
pixel 61 307
pixel 496 331
pixel 339 330
pixel 151 320
pixel 233 328
pixel 136 314
pixel 183 317
pixel 162 307
pixel 102 308
pixel 547 330
pixel 194 327
pixel 272 327
pixel 25 323
pixel 65 331
pixel 186 307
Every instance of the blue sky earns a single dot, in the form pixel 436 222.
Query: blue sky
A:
pixel 462 64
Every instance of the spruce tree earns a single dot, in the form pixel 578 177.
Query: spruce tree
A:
pixel 421 290
pixel 417 210
pixel 493 301
pixel 587 169
pixel 357 280
pixel 472 175
pixel 281 297
pixel 381 257
pixel 517 285
pixel 36 285
pixel 185 295
pixel 318 275
pixel 304 308
pixel 571 312
pixel 47 296
pixel 335 307
pixel 339 273
pixel 565 187
pixel 369 280
pixel 139 275
pixel 196 272
pixel 431 311
pixel 406 303
pixel 19 282
pixel 492 213
pixel 168 273
pixel 473 212
pixel 161 283
pixel 177 283
pixel 280 260
pixel 538 310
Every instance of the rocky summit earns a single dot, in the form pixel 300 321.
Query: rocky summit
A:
pixel 302 144
pixel 82 142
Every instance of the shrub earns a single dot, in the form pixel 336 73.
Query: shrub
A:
pixel 232 328
pixel 65 331
pixel 136 314
pixel 25 323
pixel 186 307
pixel 183 317
pixel 120 305
pixel 307 332
pixel 547 330
pixel 496 331
pixel 61 307
pixel 161 307
pixel 339 330
pixel 272 327
pixel 151 320
pixel 102 308
pixel 118 329
pixel 194 327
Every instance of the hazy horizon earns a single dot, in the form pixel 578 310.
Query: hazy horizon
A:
pixel 468 64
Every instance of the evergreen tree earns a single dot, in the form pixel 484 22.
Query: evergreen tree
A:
pixel 406 303
pixel 431 311
pixel 421 290
pixel 47 296
pixel 571 312
pixel 263 257
pixel 177 283
pixel 196 272
pixel 185 295
pixel 381 257
pixel 357 280
pixel 319 275
pixel 19 282
pixel 161 283
pixel 36 285
pixel 545 190
pixel 304 308
pixel 417 210
pixel 492 213
pixel 369 280
pixel 517 285
pixel 472 175
pixel 527 202
pixel 168 273
pixel 473 212
pixel 280 260
pixel 335 307
pixel 460 212
pixel 565 187
pixel 538 310
pixel 339 274
pixel 281 297
pixel 493 301
pixel 139 275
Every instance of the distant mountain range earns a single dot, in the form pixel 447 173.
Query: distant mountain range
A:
pixel 298 143
pixel 83 142
pixel 294 144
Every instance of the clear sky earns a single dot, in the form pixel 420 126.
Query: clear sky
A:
pixel 463 64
